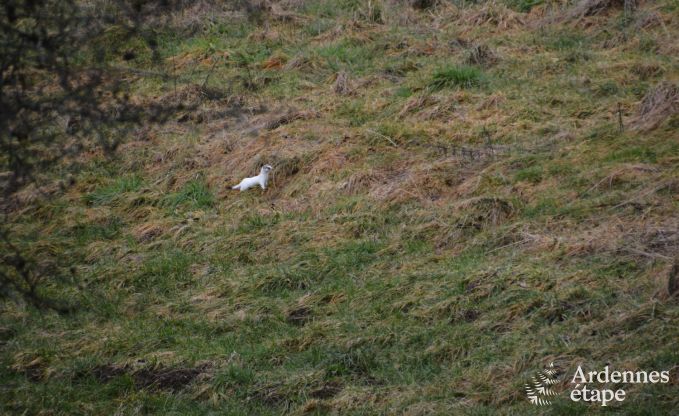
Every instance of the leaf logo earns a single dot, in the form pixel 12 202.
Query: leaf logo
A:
pixel 539 390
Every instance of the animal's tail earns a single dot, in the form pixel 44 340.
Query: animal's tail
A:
pixel 236 187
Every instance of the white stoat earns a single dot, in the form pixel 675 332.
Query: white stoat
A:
pixel 262 179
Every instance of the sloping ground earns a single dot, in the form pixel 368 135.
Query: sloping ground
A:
pixel 461 195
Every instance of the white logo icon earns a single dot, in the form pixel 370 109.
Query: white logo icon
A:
pixel 540 391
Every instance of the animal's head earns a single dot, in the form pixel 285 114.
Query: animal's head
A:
pixel 266 168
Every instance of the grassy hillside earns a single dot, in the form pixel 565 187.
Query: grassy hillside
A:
pixel 460 195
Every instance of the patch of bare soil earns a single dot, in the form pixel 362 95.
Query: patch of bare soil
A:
pixel 34 368
pixel 105 373
pixel 328 390
pixel 173 379
pixel 166 378
pixel 299 315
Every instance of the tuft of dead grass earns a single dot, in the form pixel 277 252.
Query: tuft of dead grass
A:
pixel 587 8
pixel 484 210
pixel 670 280
pixel 492 14
pixel 361 182
pixel 31 194
pixel 342 85
pixel 149 231
pixel 657 105
pixel 481 55
pixel 593 7
pixel 491 102
pixel 431 107
pixel 416 103
pixel 289 117
pixel 301 62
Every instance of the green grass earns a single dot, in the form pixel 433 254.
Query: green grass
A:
pixel 456 77
pixel 396 264
pixel 106 230
pixel 531 174
pixel 523 5
pixel 347 55
pixel 164 271
pixel 194 194
pixel 354 112
pixel 108 194
pixel 565 41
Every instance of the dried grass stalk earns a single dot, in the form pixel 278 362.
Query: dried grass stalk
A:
pixel 481 55
pixel 288 118
pixel 342 84
pixel 494 15
pixel 657 105
pixel 593 7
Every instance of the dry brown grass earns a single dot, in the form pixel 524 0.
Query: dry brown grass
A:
pixel 31 194
pixel 438 107
pixel 342 85
pixel 586 8
pixel 667 281
pixel 492 102
pixel 149 231
pixel 273 121
pixel 492 14
pixel 462 243
pixel 361 182
pixel 658 105
pixel 484 211
pixel 481 55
